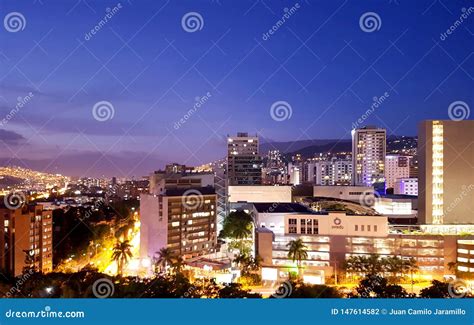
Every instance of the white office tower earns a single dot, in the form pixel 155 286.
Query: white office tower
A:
pixel 368 157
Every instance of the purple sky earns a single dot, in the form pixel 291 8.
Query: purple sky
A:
pixel 151 69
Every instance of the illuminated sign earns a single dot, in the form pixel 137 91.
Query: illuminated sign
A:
pixel 337 223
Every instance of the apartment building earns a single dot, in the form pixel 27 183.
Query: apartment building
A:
pixel 26 239
pixel 183 220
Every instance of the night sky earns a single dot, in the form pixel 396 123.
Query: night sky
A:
pixel 152 67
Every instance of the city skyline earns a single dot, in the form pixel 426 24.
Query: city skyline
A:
pixel 225 74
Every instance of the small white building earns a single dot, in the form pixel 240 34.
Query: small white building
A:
pixel 361 194
pixel 259 193
pixel 406 186
pixel 396 166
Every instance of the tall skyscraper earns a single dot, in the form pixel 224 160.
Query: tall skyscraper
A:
pixel 368 157
pixel 446 172
pixel 396 166
pixel 244 164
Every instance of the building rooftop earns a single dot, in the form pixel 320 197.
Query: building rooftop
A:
pixel 399 196
pixel 282 208
pixel 191 191
pixel 264 230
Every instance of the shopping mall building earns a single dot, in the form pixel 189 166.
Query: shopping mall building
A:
pixel 332 237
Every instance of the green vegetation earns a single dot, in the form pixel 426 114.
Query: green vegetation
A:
pixel 438 289
pixel 80 233
pixel 375 286
pixel 249 269
pixel 237 229
pixel 237 225
pixel 81 285
pixel 122 253
pixel 298 289
pixel 163 259
pixel 297 252
pixel 392 266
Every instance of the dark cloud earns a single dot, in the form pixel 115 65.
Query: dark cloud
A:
pixel 11 137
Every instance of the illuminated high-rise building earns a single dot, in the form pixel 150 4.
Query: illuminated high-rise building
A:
pixel 334 171
pixel 446 172
pixel 244 164
pixel 26 239
pixel 368 157
pixel 180 219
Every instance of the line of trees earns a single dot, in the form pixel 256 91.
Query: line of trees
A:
pixel 394 267
pixel 81 285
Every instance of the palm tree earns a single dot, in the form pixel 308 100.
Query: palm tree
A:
pixel 248 264
pixel 374 264
pixel 237 225
pixel 240 259
pixel 393 265
pixel 411 266
pixel 122 253
pixel 452 266
pixel 164 258
pixel 297 252
pixel 364 265
pixel 177 264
